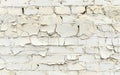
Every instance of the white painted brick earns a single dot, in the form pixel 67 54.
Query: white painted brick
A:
pixel 5 72
pixel 62 73
pixel 71 2
pixel 14 11
pixel 71 30
pixel 45 3
pixel 53 41
pixel 76 49
pixel 92 50
pixel 71 41
pixel 102 2
pixel 78 10
pixel 4 27
pixel 16 59
pixel 14 3
pixel 78 2
pixel 92 42
pixel 38 41
pixel 87 58
pixel 66 50
pixel 59 37
pixel 30 11
pixel 71 57
pixel 105 53
pixel 2 64
pixel 48 28
pixel 5 50
pixel 106 73
pixel 106 66
pixel 3 10
pixel 87 73
pixel 59 50
pixel 5 42
pixel 76 66
pixel 50 60
pixel 68 19
pixel 31 29
pixel 92 66
pixel 30 73
pixel 21 67
pixel 45 10
pixel 95 10
pixel 115 2
pixel 62 10
pixel 22 41
pixel 117 73
pixel 44 67
pixel 50 19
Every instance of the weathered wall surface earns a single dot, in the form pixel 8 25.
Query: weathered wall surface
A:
pixel 59 37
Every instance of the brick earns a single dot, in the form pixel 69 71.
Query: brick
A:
pixel 5 51
pixel 105 53
pixel 21 67
pixel 3 10
pixel 102 2
pixel 38 41
pixel 117 73
pixel 71 30
pixel 68 19
pixel 62 10
pixel 45 3
pixel 31 29
pixel 4 27
pixel 7 18
pixel 92 66
pixel 16 59
pixel 78 10
pixel 87 73
pixel 115 2
pixel 62 73
pixel 106 73
pixel 50 19
pixel 48 28
pixel 92 42
pixel 92 50
pixel 71 57
pixel 45 10
pixel 5 72
pixel 71 41
pixel 58 50
pixel 112 11
pixel 100 19
pixel 5 42
pixel 53 41
pixel 30 73
pixel 106 66
pixel 30 11
pixel 22 41
pixel 66 50
pixel 2 64
pixel 95 10
pixel 44 67
pixel 86 26
pixel 49 60
pixel 71 2
pixel 14 11
pixel 87 58
pixel 15 3
pixel 76 66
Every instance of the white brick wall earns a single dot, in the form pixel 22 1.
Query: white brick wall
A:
pixel 59 37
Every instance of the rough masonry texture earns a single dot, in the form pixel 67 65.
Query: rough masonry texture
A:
pixel 59 37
